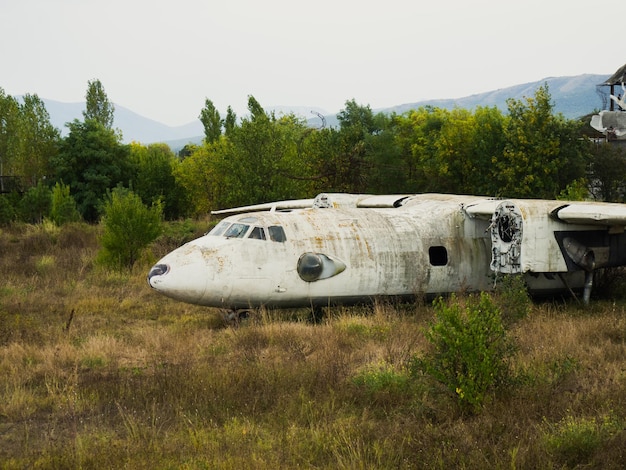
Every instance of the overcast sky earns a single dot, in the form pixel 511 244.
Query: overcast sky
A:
pixel 162 59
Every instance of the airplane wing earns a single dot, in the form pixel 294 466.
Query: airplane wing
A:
pixel 324 201
pixel 268 206
pixel 383 201
pixel 482 209
pixel 582 213
pixel 607 214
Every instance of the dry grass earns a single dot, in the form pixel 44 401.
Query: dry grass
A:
pixel 96 370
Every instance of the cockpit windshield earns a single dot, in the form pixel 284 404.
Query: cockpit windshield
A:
pixel 239 230
pixel 277 234
pixel 219 229
pixel 236 230
pixel 257 233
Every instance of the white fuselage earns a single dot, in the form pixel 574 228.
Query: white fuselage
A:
pixel 431 244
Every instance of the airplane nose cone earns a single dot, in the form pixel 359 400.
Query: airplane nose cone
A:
pixel 157 270
pixel 180 278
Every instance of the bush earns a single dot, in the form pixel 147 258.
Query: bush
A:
pixel 471 349
pixel 7 210
pixel 573 441
pixel 512 298
pixel 35 205
pixel 129 227
pixel 64 207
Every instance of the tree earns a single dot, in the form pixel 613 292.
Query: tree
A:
pixel 256 161
pixel 230 122
pixel 198 174
pixel 35 204
pixel 9 115
pixel 91 161
pixel 129 227
pixel 385 156
pixel 542 153
pixel 38 141
pixel 486 147
pixel 212 122
pixel 417 135
pixel 154 178
pixel 256 110
pixel 260 162
pixel 98 106
pixel 349 161
pixel 608 172
pixel 465 148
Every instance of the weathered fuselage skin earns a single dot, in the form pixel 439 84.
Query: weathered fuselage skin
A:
pixel 431 244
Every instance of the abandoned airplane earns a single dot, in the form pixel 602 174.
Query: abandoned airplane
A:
pixel 347 249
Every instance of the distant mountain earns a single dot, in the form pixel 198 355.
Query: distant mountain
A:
pixel 574 97
pixel 134 127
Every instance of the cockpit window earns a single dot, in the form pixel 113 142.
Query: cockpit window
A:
pixel 236 231
pixel 239 230
pixel 257 233
pixel 219 228
pixel 277 234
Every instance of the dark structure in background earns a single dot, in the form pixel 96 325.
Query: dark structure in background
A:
pixel 10 184
pixel 617 79
pixel 612 122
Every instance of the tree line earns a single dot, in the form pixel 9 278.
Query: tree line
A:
pixel 528 151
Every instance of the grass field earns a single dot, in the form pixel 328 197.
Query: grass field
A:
pixel 98 371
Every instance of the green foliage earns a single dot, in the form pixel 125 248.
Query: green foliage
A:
pixel 230 122
pixel 577 190
pixel 528 153
pixel 198 175
pixel 35 204
pixel 381 377
pixel 9 115
pixel 177 233
pixel 608 168
pixel 28 140
pixel 211 121
pixel 574 440
pixel 543 152
pixel 8 213
pixel 37 141
pixel 357 128
pixel 98 107
pixel 91 161
pixel 511 297
pixel 257 161
pixel 63 208
pixel 154 178
pixel 471 349
pixel 129 227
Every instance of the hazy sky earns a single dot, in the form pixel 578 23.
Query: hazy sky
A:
pixel 162 59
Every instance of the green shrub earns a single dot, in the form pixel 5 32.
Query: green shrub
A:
pixel 380 377
pixel 512 298
pixel 35 204
pixel 573 441
pixel 471 349
pixel 128 228
pixel 64 207
pixel 8 213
